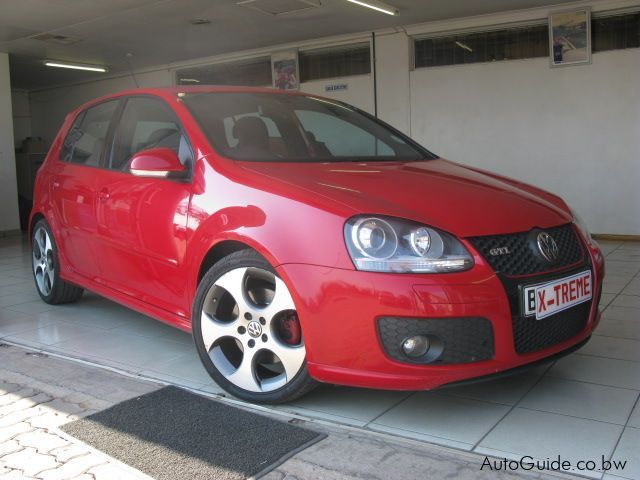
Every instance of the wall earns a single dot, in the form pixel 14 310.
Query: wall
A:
pixel 571 130
pixel 392 70
pixel 359 90
pixel 8 193
pixel 50 107
pixel 21 116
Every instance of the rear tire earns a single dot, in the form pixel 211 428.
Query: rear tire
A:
pixel 247 332
pixel 46 268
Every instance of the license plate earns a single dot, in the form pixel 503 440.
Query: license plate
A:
pixel 547 299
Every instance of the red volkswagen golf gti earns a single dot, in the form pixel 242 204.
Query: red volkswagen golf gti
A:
pixel 300 240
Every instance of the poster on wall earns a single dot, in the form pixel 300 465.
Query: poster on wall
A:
pixel 284 70
pixel 570 37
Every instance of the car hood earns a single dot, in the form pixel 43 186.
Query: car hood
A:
pixel 439 193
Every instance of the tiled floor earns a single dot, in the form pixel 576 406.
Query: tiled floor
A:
pixel 583 407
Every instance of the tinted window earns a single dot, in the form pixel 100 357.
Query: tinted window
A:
pixel 616 32
pixel 147 123
pixel 279 127
pixel 509 44
pixel 335 62
pixel 84 143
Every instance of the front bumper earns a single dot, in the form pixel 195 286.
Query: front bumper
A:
pixel 340 309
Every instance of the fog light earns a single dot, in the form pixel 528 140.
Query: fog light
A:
pixel 416 346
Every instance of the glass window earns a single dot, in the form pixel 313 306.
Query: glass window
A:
pixel 84 143
pixel 296 128
pixel 508 44
pixel 255 72
pixel 334 62
pixel 339 138
pixel 615 32
pixel 147 123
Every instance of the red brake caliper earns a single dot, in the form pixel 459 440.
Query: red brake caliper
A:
pixel 289 329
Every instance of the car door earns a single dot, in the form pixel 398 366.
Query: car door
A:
pixel 141 221
pixel 73 187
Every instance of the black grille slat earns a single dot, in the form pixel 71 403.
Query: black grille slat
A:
pixel 530 335
pixel 524 259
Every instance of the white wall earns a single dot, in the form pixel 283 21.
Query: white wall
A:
pixel 359 91
pixel 573 130
pixel 392 70
pixel 50 107
pixel 21 116
pixel 8 193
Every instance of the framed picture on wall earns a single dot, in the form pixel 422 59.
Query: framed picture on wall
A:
pixel 570 37
pixel 284 70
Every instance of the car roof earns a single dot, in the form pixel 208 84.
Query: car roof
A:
pixel 173 91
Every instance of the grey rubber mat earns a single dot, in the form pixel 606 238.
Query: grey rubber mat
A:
pixel 174 434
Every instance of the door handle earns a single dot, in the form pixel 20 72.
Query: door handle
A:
pixel 103 195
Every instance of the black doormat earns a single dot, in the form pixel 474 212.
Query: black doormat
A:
pixel 174 434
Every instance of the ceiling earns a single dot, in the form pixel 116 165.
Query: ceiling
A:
pixel 160 31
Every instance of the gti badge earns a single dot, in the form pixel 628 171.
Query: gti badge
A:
pixel 494 252
pixel 548 247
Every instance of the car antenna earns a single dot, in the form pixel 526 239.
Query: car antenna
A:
pixel 129 56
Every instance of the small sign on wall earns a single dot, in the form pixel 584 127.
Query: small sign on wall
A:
pixel 570 37
pixel 284 70
pixel 336 87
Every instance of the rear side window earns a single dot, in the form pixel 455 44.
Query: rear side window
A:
pixel 84 143
pixel 147 123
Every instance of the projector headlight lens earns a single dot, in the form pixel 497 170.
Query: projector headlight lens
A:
pixel 388 244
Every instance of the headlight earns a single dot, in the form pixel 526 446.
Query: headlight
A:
pixel 577 219
pixel 387 244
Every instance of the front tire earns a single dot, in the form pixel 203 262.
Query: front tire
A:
pixel 247 332
pixel 46 268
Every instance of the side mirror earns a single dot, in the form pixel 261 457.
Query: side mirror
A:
pixel 158 163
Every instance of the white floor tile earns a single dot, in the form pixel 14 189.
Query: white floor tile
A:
pixel 632 288
pixel 579 399
pixel 627 450
pixel 634 420
pixel 546 435
pixel 354 406
pixel 458 419
pixel 622 313
pixel 627 301
pixel 611 347
pixel 187 367
pixel 606 299
pixel 12 323
pixel 619 329
pixel 506 391
pixel 36 306
pixel 135 352
pixel 602 371
pixel 52 333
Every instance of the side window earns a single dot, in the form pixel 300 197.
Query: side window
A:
pixel 85 141
pixel 339 137
pixel 147 123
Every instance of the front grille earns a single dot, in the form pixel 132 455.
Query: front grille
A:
pixel 524 257
pixel 530 335
pixel 456 340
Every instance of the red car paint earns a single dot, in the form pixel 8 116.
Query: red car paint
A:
pixel 154 235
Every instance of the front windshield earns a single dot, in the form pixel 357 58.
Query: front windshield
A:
pixel 278 128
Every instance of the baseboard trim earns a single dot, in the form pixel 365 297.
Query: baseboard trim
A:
pixel 616 238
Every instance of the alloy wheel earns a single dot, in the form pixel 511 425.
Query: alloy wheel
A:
pixel 42 258
pixel 251 331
